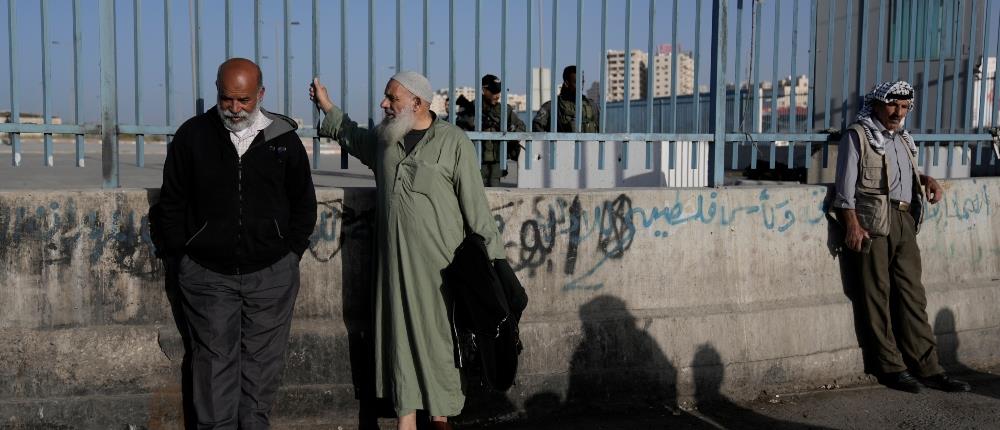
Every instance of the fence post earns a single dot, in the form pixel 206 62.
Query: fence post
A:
pixel 109 98
pixel 717 154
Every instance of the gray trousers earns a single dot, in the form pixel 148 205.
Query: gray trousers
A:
pixel 895 302
pixel 239 327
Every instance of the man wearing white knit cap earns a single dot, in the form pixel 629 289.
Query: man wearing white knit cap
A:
pixel 429 191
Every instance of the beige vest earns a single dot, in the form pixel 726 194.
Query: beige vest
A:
pixel 872 193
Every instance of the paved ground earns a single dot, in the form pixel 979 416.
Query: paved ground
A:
pixel 866 407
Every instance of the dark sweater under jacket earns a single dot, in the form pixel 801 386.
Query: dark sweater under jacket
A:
pixel 236 215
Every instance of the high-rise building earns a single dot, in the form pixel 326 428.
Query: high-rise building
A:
pixel 662 69
pixel 616 75
pixel 639 70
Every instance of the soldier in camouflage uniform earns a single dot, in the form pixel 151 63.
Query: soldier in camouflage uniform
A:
pixel 567 109
pixel 494 166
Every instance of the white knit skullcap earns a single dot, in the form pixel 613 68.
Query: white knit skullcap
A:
pixel 416 83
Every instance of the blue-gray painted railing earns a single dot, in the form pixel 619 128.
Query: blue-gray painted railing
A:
pixel 738 115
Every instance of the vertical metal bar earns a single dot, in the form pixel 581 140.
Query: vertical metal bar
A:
pixel 140 140
pixel 399 36
pixel 844 91
pixel 969 66
pixel 754 98
pixel 718 83
pixel 371 62
pixel 315 72
pixel 675 57
pixel 554 111
pixel 996 80
pixel 628 66
pixel 775 84
pixel 344 156
pixel 774 73
pixel 926 38
pixel 77 71
pixel 812 85
pixel 628 81
pixel 650 74
pixel 944 27
pixel 738 92
pixel 478 88
pixel 829 61
pixel 229 29
pixel 863 39
pixel 427 40
pixel 199 104
pixel 109 102
pixel 881 43
pixel 955 51
pixel 527 81
pixel 911 42
pixel 895 34
pixel 451 61
pixel 287 39
pixel 257 18
pixel 578 120
pixel 697 81
pixel 984 70
pixel 15 110
pixel 793 107
pixel 503 80
pixel 167 66
pixel 46 79
pixel 602 125
pixel 650 78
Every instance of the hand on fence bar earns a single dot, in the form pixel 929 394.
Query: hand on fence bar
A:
pixel 319 95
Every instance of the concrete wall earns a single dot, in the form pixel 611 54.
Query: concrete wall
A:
pixel 665 296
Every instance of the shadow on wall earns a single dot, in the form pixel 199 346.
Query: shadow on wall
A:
pixel 619 378
pixel 947 346
pixel 171 288
pixel 357 266
pixel 709 373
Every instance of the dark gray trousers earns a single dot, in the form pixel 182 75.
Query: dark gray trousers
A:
pixel 239 327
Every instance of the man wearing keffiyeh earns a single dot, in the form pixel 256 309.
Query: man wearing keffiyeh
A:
pixel 880 202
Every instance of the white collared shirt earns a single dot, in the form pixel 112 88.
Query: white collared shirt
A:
pixel 242 139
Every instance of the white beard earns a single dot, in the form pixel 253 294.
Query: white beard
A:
pixel 392 130
pixel 238 126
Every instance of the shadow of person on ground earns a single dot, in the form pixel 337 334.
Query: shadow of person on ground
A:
pixel 709 372
pixel 948 344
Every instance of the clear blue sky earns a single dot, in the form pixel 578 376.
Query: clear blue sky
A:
pixel 29 59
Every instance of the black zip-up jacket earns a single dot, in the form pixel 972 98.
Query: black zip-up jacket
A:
pixel 230 214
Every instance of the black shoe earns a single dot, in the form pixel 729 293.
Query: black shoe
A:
pixel 902 381
pixel 944 382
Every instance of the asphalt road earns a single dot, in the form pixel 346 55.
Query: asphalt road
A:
pixel 863 407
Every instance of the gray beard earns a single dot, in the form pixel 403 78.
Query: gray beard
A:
pixel 392 130
pixel 234 126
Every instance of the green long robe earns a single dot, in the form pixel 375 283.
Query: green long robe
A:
pixel 426 201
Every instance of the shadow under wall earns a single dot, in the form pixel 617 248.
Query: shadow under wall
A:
pixel 709 374
pixel 948 343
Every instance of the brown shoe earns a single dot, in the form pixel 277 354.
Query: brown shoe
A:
pixel 441 425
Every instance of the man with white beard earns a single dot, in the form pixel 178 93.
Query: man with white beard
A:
pixel 237 207
pixel 429 194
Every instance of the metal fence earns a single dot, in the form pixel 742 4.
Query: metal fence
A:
pixel 941 46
